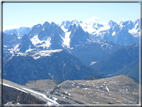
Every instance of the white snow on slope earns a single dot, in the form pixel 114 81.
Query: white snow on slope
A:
pixel 38 43
pixel 90 26
pixel 45 53
pixel 92 63
pixel 104 28
pixel 35 40
pixel 22 54
pixel 15 49
pixel 38 54
pixel 107 88
pixel 66 40
pixel 113 33
pixel 134 31
pixel 94 29
pixel 121 25
pixel 29 50
pixel 46 44
pixel 65 30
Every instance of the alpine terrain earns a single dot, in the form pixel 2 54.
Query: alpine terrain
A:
pixel 75 62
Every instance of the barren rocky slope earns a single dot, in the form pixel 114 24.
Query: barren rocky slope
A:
pixel 115 90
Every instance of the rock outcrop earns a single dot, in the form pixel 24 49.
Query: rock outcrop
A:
pixel 14 94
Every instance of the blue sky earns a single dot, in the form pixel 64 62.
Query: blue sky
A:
pixel 25 14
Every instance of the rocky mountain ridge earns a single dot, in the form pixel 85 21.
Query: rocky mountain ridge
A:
pixel 49 38
pixel 49 64
pixel 123 33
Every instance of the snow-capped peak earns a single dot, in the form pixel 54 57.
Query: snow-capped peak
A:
pixel 134 31
pixel 43 43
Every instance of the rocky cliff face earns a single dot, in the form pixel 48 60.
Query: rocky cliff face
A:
pixel 14 94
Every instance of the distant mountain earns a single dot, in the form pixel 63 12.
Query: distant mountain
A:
pixel 21 31
pixel 10 40
pixel 124 33
pixel 92 52
pixel 86 47
pixel 49 64
pixel 50 36
pixel 121 62
pixel 132 70
pixel 91 43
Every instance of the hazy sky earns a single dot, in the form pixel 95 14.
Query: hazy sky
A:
pixel 25 14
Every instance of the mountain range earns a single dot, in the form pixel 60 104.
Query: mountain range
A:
pixel 55 64
pixel 72 50
pixel 123 61
pixel 123 33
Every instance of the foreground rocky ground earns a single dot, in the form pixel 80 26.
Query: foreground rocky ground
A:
pixel 115 90
pixel 17 95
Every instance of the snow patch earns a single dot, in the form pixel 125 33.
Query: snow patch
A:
pixel 29 50
pixel 15 49
pixel 39 54
pixel 38 43
pixel 104 28
pixel 21 54
pixel 19 37
pixel 92 63
pixel 134 31
pixel 63 28
pixel 66 40
pixel 46 44
pixel 121 25
pixel 107 88
pixel 35 40
pixel 113 33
